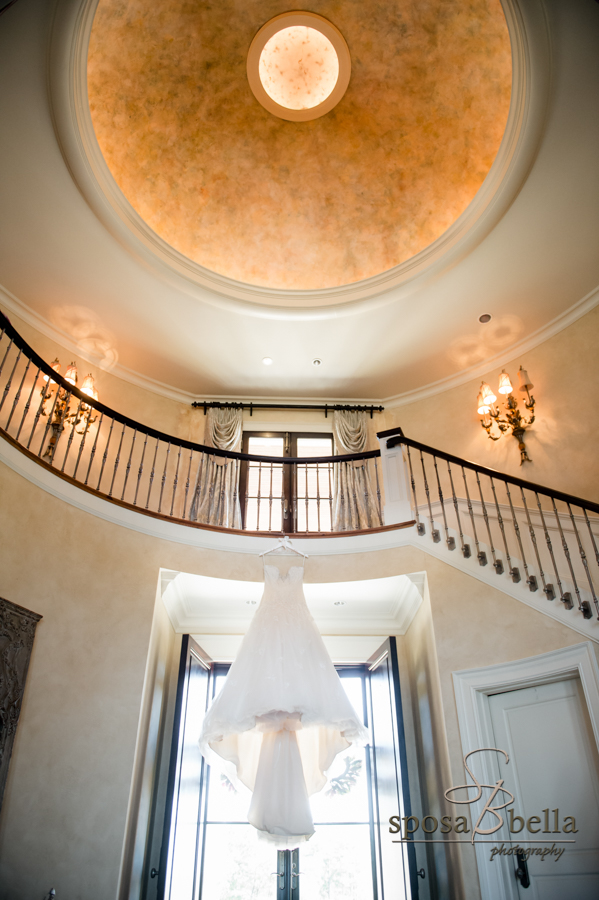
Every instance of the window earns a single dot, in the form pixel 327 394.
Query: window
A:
pixel 210 852
pixel 290 498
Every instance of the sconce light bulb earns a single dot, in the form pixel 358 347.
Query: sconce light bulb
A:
pixel 487 395
pixel 482 408
pixel 505 385
pixel 71 374
pixel 56 367
pixel 88 387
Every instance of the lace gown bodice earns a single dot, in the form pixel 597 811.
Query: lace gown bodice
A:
pixel 282 715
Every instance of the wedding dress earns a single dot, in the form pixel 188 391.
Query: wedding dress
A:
pixel 282 715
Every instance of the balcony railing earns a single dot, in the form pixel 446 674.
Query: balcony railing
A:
pixel 125 462
pixel 544 539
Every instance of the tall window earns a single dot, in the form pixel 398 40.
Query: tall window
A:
pixel 288 498
pixel 210 852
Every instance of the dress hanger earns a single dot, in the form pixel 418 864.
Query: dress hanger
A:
pixel 284 543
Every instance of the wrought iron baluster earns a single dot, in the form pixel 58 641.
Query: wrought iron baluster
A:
pixel 330 468
pixel 221 502
pixel 434 531
pixel 306 496
pixel 236 518
pixel 140 469
pixel 93 453
pixel 153 469
pixel 465 547
pixel 163 479
pixel 28 404
pixel 259 496
pixel 176 480
pixel 480 554
pixel 550 596
pixel 247 494
pixel 18 395
pixel 378 490
pixel 567 596
pixel 128 466
pixel 591 535
pixel 420 526
pixel 10 343
pixel 105 455
pixel 513 571
pixel 117 461
pixel 450 541
pixel 187 485
pixel 548 589
pixel 9 382
pixel 586 607
pixel 72 434
pixel 82 441
pixel 318 497
pixel 44 397
pixel 497 563
pixel 531 580
pixel 270 499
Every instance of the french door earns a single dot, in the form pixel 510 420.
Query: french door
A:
pixel 209 851
pixel 288 498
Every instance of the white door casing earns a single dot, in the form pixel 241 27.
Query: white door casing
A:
pixel 553 772
pixel 473 689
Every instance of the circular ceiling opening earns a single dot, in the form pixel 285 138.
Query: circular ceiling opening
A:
pixel 298 66
pixel 240 183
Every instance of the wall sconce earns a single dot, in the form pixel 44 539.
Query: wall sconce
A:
pixel 512 422
pixel 62 409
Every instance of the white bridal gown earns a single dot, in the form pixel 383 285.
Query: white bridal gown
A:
pixel 282 715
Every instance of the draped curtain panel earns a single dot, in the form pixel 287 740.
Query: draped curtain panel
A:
pixel 216 496
pixel 355 501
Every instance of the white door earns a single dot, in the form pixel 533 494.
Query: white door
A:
pixel 553 765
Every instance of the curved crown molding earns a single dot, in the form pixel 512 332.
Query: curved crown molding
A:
pixel 72 121
pixel 41 324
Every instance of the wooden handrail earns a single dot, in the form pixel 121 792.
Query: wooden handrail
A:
pixel 395 437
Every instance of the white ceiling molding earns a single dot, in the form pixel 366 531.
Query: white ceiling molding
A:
pixel 222 606
pixel 571 315
pixel 552 328
pixel 73 125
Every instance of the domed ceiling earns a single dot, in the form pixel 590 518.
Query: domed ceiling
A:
pixel 293 205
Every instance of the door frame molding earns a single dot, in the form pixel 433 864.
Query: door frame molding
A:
pixel 473 687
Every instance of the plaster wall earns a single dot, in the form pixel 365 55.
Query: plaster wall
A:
pixel 65 811
pixel 562 441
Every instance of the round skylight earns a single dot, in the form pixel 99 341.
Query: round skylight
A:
pixel 298 66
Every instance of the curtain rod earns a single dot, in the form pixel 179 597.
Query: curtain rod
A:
pixel 215 404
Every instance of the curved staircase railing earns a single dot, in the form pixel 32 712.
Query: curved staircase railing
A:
pixel 121 460
pixel 546 539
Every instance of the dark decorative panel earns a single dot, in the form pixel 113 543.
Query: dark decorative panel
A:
pixel 17 630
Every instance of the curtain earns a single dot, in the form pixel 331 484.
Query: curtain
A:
pixel 355 502
pixel 216 496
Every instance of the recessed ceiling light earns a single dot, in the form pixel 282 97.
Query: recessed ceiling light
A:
pixel 339 603
pixel 484 318
pixel 267 361
pixel 316 361
pixel 251 602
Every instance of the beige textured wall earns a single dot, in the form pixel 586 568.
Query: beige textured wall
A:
pixel 65 808
pixel 562 442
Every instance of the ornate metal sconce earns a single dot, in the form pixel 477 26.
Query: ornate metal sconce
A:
pixel 512 421
pixel 56 403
